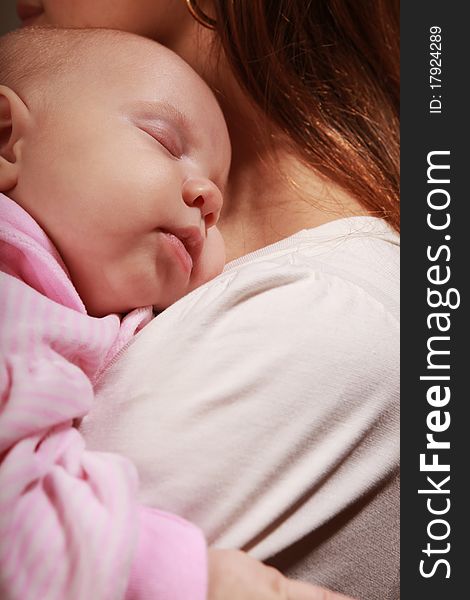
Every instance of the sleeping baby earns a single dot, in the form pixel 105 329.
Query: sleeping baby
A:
pixel 113 159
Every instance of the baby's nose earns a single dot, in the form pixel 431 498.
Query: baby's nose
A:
pixel 203 194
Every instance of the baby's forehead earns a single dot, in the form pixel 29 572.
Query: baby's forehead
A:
pixel 113 66
pixel 167 86
pixel 33 59
pixel 34 53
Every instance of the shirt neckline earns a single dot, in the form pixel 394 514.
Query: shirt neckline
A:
pixel 362 226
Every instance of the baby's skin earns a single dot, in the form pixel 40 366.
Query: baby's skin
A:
pixel 121 157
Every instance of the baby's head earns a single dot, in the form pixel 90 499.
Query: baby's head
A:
pixel 120 152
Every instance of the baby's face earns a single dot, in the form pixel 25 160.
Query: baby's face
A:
pixel 125 172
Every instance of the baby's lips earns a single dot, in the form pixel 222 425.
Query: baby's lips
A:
pixel 192 239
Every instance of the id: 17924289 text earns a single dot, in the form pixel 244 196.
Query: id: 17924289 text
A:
pixel 435 69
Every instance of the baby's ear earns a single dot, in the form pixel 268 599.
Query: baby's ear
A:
pixel 14 118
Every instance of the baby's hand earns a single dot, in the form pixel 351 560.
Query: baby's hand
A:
pixel 234 575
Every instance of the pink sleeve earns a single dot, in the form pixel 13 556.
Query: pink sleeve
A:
pixel 70 524
pixel 179 550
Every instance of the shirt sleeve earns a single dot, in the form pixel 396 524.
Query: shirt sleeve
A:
pixel 70 523
pixel 275 393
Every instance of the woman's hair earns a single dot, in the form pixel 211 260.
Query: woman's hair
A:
pixel 326 72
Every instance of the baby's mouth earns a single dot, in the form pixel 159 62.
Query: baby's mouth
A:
pixel 192 240
pixel 28 11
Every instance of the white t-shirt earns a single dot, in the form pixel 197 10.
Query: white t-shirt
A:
pixel 265 404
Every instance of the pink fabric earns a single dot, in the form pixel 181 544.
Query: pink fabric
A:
pixel 70 524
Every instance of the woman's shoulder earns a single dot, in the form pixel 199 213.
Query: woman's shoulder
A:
pixel 296 330
pixel 344 267
pixel 302 300
pixel 359 254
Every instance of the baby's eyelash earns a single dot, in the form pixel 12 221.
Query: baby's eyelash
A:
pixel 164 139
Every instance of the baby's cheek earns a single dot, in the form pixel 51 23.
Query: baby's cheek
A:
pixel 212 259
pixel 216 247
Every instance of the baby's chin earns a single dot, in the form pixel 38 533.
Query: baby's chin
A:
pixel 160 300
pixel 204 275
pixel 210 264
pixel 102 306
pixel 205 271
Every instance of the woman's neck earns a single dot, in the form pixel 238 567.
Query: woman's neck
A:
pixel 272 195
